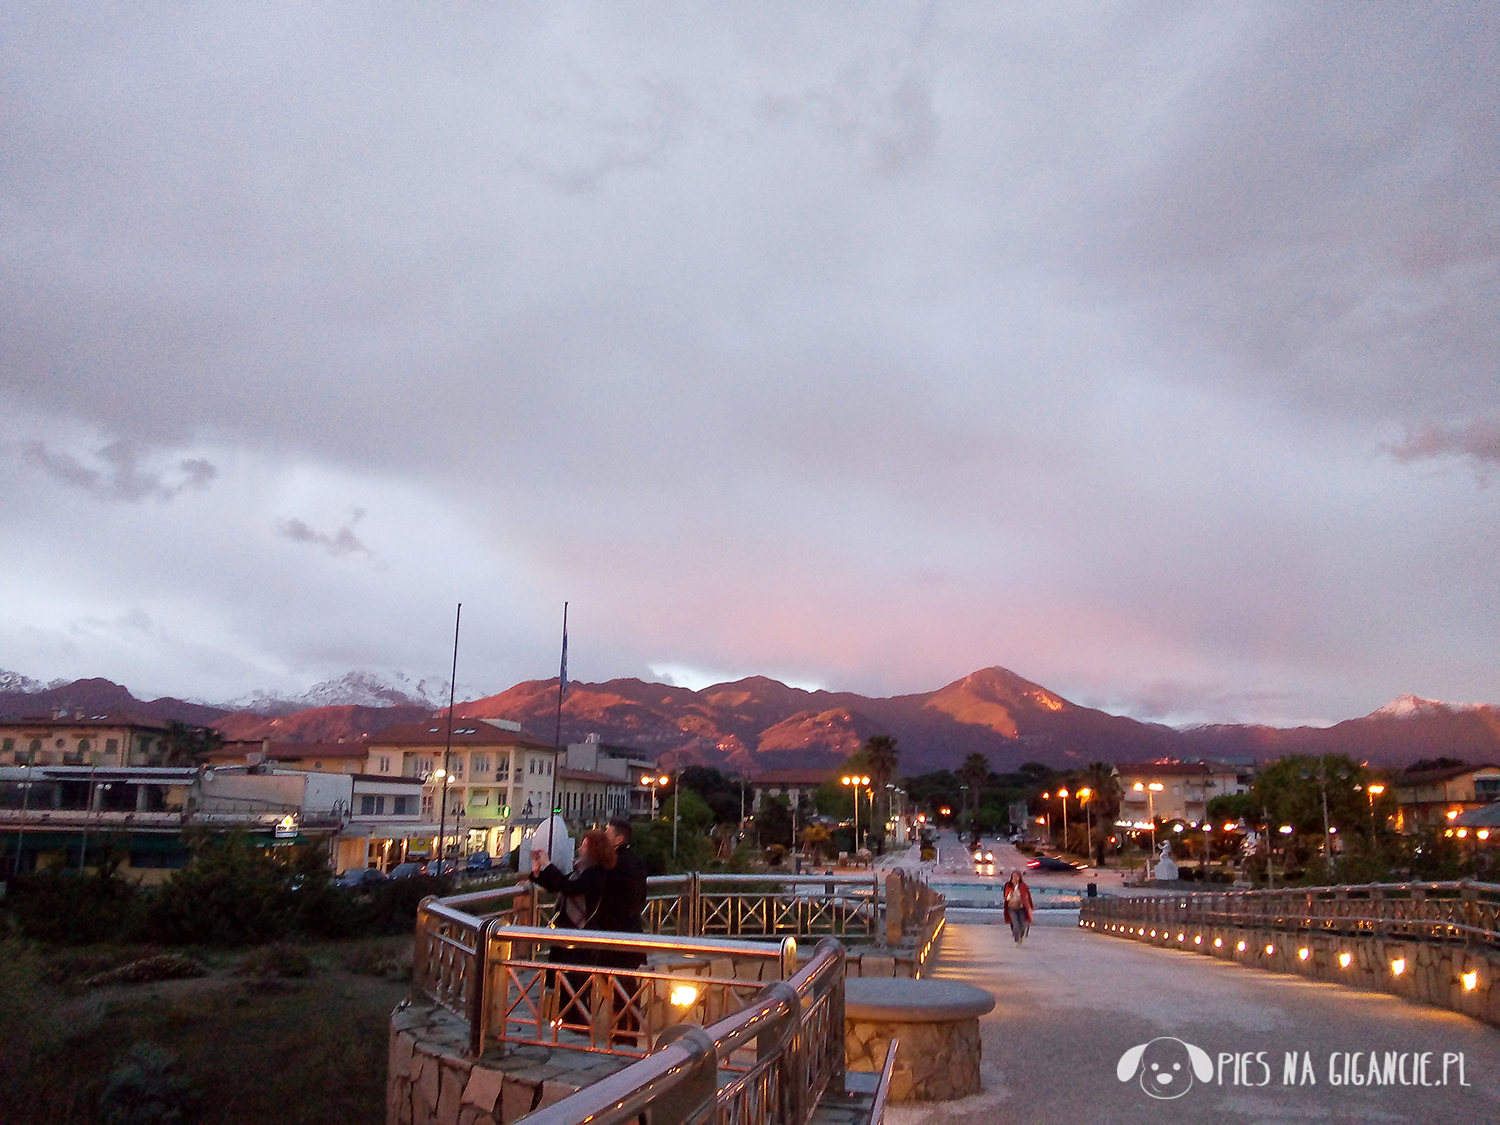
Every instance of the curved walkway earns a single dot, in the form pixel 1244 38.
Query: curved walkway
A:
pixel 1071 1003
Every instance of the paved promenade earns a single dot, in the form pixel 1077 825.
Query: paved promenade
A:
pixel 1070 1004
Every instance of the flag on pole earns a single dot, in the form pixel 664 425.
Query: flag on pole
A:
pixel 562 676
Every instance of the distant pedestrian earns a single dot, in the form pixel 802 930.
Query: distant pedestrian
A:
pixel 1018 906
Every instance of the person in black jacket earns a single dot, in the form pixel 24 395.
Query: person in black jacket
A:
pixel 623 903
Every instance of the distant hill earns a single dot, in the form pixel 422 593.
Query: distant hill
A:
pixel 759 724
pixel 99 697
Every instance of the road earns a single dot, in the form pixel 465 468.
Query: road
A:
pixel 1070 1003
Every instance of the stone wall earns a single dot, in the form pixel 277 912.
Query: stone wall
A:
pixel 936 1062
pixel 1430 973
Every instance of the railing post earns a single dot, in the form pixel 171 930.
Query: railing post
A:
pixel 694 892
pixel 478 1003
pixel 691 1099
pixel 895 903
pixel 788 958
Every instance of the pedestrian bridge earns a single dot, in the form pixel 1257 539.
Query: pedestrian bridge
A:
pixel 753 1033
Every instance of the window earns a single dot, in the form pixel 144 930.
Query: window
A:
pixel 10 744
pixel 401 806
pixel 383 763
pixel 367 805
pixel 112 746
pixel 458 767
pixel 531 765
pixel 481 763
pixel 317 765
pixel 502 768
pixel 36 745
pixel 83 745
pixel 479 797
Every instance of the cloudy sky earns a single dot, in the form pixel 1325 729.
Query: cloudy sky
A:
pixel 1148 350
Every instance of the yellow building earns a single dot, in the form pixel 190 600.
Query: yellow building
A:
pixel 498 781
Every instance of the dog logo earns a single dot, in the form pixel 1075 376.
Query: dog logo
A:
pixel 1166 1067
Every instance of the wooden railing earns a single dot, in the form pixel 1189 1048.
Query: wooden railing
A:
pixel 1456 913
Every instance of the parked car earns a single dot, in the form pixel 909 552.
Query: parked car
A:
pixel 479 861
pixel 1052 863
pixel 360 878
pixel 441 867
pixel 406 870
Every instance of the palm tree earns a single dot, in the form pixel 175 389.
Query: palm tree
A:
pixel 1102 779
pixel 974 773
pixel 880 759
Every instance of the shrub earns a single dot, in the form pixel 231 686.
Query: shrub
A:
pixel 278 960
pixel 232 893
pixel 27 1023
pixel 164 966
pixel 144 1090
pixel 61 907
pixel 391 907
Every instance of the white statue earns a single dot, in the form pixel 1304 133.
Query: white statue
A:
pixel 1166 868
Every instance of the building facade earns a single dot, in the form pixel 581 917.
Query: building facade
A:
pixel 1431 798
pixel 79 739
pixel 496 783
pixel 1175 790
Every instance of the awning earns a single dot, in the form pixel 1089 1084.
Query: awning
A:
pixel 1486 817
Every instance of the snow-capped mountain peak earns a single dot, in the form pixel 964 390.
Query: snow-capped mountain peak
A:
pixel 1408 706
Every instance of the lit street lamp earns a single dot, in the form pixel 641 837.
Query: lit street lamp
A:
pixel 856 781
pixel 655 784
pixel 1151 791
pixel 1063 793
pixel 1083 796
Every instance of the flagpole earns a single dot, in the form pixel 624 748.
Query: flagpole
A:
pixel 562 687
pixel 448 745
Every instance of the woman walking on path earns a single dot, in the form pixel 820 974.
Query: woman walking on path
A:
pixel 1018 906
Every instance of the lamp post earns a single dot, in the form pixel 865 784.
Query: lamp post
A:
pixel 1045 798
pixel 676 806
pixel 855 781
pixel 655 784
pixel 1063 793
pixel 1372 791
pixel 440 777
pixel 1083 796
pixel 1151 791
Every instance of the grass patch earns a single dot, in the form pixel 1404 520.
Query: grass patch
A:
pixel 311 1051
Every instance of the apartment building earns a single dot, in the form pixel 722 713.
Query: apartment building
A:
pixel 75 738
pixel 497 781
pixel 1175 790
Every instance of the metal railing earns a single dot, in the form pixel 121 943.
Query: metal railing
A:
pixel 1453 913
pixel 775 1058
pixel 488 956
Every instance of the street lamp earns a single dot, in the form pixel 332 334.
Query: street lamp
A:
pixel 1372 791
pixel 654 784
pixel 1151 791
pixel 1083 796
pixel 1063 793
pixel 856 781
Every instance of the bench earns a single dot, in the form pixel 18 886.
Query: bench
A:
pixel 937 1022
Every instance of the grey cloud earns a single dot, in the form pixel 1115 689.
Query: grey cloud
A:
pixel 1477 440
pixel 341 542
pixel 124 478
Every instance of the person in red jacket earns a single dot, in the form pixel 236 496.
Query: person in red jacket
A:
pixel 1018 906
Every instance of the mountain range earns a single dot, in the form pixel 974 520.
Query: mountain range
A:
pixel 758 724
